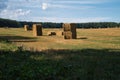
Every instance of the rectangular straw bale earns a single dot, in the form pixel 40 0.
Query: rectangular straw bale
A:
pixel 37 30
pixel 69 31
pixel 73 27
pixel 26 27
pixel 51 33
pixel 66 27
pixel 69 27
pixel 67 35
pixel 74 35
pixel 62 33
pixel 73 30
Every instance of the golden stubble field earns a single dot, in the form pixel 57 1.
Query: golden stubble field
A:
pixel 108 38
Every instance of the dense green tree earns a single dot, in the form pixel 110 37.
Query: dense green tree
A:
pixel 9 23
pixel 13 23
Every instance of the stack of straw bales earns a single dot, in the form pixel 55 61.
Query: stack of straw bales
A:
pixel 26 27
pixel 69 31
pixel 37 30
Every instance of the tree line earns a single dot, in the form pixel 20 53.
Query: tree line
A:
pixel 78 25
pixel 9 23
pixel 14 23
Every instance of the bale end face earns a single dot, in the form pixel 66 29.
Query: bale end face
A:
pixel 69 35
pixel 26 27
pixel 37 30
pixel 69 27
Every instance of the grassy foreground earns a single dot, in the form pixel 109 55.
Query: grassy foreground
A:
pixel 95 55
pixel 85 64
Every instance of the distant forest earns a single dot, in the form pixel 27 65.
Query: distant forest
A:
pixel 17 24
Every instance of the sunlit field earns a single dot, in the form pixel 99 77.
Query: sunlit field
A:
pixel 94 55
pixel 86 38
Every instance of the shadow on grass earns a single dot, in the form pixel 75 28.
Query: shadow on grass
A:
pixel 85 64
pixel 12 38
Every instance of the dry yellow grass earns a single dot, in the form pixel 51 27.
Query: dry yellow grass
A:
pixel 87 38
pixel 59 33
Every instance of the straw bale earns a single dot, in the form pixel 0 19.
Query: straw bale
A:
pixel 51 33
pixel 74 35
pixel 26 27
pixel 66 27
pixel 37 30
pixel 67 35
pixel 73 27
pixel 69 31
pixel 69 27
pixel 62 33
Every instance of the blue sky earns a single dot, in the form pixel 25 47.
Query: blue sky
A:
pixel 61 10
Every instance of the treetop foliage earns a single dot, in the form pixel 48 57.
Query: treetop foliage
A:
pixel 14 23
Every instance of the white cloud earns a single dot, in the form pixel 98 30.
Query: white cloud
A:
pixel 14 14
pixel 70 20
pixel 63 6
pixel 70 7
pixel 80 1
pixel 44 6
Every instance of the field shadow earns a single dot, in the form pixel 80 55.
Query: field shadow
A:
pixel 85 64
pixel 14 38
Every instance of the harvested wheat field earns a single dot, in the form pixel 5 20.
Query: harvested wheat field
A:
pixel 86 38
pixel 94 55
